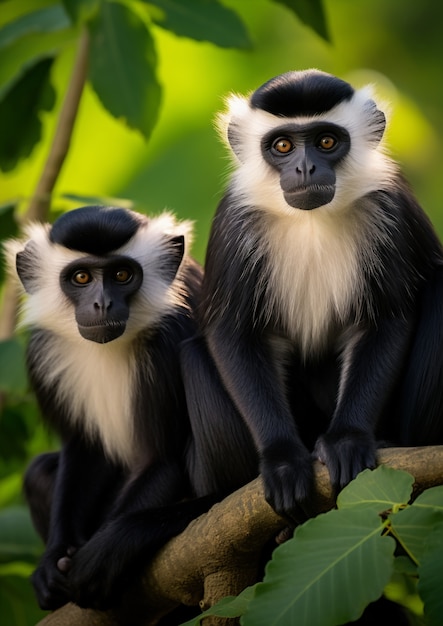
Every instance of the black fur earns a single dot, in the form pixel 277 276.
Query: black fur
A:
pixel 96 229
pixel 301 93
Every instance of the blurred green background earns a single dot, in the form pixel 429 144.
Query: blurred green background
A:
pixel 395 45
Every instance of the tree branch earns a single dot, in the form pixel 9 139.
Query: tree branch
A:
pixel 218 554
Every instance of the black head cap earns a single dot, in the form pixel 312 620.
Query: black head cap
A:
pixel 95 229
pixel 301 93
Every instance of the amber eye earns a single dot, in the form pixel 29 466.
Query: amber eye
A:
pixel 327 142
pixel 123 275
pixel 82 277
pixel 283 145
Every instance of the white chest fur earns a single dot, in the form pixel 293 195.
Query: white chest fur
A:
pixel 96 382
pixel 315 274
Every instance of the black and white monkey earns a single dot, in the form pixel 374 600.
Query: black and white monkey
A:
pixel 322 300
pixel 110 296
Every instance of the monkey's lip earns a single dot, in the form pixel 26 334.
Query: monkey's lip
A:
pixel 309 197
pixel 103 331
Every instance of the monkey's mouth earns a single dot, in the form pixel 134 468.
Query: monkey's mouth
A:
pixel 102 332
pixel 310 197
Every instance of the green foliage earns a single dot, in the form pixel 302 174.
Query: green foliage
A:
pixel 372 535
pixel 20 113
pixel 25 41
pixel 17 601
pixel 12 367
pixel 123 60
pixel 19 548
pixel 18 541
pixel 202 21
pixel 311 13
pixel 122 66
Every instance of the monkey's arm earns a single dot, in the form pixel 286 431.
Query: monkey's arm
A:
pixel 250 373
pixel 372 365
pixel 114 557
pixel 83 482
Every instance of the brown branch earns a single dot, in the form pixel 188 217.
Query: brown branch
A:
pixel 217 555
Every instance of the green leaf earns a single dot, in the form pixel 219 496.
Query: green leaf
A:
pixel 379 490
pixel 13 377
pixel 82 11
pixel 431 576
pixel 26 52
pixel 430 498
pixel 335 565
pixel 18 539
pixel 18 606
pixel 310 12
pixel 203 20
pixel 47 20
pixel 122 66
pixel 411 528
pixel 231 606
pixel 20 114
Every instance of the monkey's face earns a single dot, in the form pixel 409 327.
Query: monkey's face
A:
pixel 100 273
pixel 101 290
pixel 305 156
pixel 305 140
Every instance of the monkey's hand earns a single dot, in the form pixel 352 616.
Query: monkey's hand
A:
pixel 345 455
pixel 49 579
pixel 101 569
pixel 288 481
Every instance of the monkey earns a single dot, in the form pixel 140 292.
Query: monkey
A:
pixel 321 310
pixel 109 297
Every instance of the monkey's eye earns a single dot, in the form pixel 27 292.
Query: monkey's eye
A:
pixel 283 145
pixel 81 277
pixel 327 142
pixel 123 275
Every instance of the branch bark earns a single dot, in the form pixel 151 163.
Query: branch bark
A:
pixel 218 554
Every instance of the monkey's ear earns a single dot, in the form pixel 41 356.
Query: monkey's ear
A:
pixel 377 123
pixel 176 251
pixel 234 139
pixel 25 263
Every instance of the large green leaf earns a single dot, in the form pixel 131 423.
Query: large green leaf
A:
pixel 20 109
pixel 381 489
pixel 122 66
pixel 334 566
pixel 311 12
pixel 203 20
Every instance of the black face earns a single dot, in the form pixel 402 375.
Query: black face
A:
pixel 306 155
pixel 101 289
